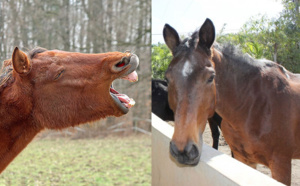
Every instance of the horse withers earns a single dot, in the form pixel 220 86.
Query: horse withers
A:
pixel 258 101
pixel 56 89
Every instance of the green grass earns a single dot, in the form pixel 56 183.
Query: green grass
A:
pixel 108 161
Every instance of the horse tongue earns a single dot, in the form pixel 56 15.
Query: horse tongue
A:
pixel 132 77
pixel 128 102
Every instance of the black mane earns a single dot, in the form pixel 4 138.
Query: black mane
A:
pixel 234 52
pixel 35 51
pixel 248 64
pixel 188 44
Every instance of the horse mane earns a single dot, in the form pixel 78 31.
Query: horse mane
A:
pixel 188 44
pixel 5 74
pixel 35 51
pixel 246 63
pixel 234 53
pixel 7 68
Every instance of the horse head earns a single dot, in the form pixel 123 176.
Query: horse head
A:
pixel 61 89
pixel 191 88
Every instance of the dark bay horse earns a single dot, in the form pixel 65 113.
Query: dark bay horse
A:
pixel 258 100
pixel 161 108
pixel 56 89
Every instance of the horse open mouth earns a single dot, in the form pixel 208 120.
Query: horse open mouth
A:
pixel 122 100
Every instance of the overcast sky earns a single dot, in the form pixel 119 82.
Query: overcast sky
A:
pixel 186 16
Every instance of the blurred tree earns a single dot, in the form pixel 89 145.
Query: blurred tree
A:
pixel 160 60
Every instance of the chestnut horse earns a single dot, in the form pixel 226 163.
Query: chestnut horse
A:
pixel 259 101
pixel 56 89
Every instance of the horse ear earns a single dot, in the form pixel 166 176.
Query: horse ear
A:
pixel 20 62
pixel 207 34
pixel 171 37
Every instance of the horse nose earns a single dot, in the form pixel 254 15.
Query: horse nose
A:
pixel 191 151
pixel 173 149
pixel 189 155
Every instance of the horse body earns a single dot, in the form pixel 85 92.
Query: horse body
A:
pixel 258 101
pixel 260 119
pixel 57 89
pixel 262 109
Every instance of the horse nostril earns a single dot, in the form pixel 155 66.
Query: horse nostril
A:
pixel 191 151
pixel 173 149
pixel 125 60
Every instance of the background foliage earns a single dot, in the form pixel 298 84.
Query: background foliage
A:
pixel 160 59
pixel 276 39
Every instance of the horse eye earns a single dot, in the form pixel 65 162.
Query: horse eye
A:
pixel 211 78
pixel 59 74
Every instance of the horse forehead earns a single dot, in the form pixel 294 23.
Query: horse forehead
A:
pixel 187 68
pixel 184 67
pixel 53 53
pixel 63 54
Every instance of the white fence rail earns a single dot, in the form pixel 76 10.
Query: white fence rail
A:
pixel 214 168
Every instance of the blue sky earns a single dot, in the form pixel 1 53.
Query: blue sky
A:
pixel 186 16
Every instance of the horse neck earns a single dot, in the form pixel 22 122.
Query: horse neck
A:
pixel 14 138
pixel 16 129
pixel 228 90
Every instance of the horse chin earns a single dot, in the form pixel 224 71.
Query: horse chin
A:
pixel 187 162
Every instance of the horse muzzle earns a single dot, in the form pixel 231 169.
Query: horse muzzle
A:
pixel 190 155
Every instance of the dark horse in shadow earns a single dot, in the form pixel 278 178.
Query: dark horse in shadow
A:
pixel 161 108
pixel 258 100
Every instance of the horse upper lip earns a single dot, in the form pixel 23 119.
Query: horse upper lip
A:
pixel 134 63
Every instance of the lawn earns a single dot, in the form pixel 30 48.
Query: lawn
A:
pixel 108 161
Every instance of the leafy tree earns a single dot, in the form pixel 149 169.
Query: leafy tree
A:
pixel 255 49
pixel 277 39
pixel 160 59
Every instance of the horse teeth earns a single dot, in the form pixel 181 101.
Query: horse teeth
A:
pixel 131 102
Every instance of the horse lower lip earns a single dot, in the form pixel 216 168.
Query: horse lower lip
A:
pixel 119 103
pixel 123 98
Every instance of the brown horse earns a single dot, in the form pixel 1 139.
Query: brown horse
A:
pixel 56 89
pixel 259 101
